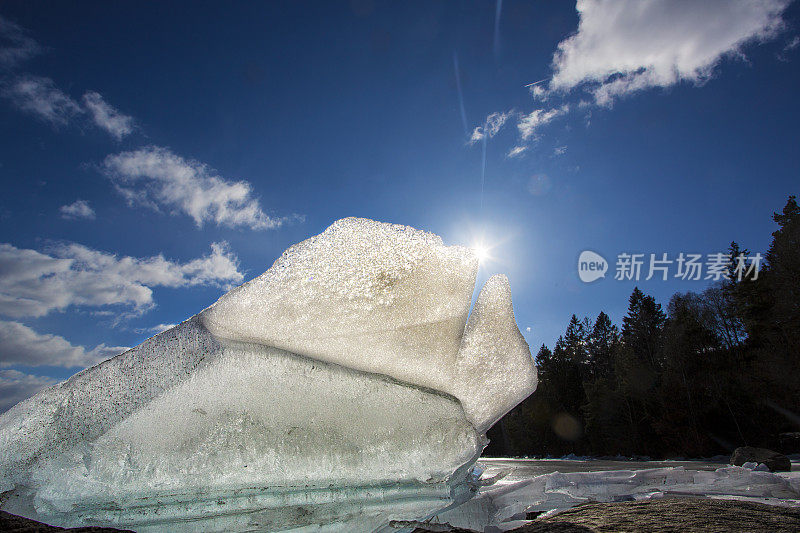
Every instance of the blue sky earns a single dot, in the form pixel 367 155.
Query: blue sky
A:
pixel 155 154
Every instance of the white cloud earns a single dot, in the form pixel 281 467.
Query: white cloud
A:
pixel 77 209
pixel 491 127
pixel 560 150
pixel 106 117
pixel 15 45
pixel 538 92
pixel 161 327
pixel 624 46
pixel 517 151
pixel 156 177
pixel 33 283
pixel 41 97
pixel 16 386
pixel 528 124
pixel 21 345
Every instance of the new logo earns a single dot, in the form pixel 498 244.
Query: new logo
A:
pixel 591 266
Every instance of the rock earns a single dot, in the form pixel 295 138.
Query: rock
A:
pixel 687 515
pixel 776 462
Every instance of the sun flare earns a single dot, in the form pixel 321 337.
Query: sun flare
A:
pixel 481 252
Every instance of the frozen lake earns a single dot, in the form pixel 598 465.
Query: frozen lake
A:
pixel 535 486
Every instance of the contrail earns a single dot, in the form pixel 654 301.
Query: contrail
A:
pixel 460 94
pixel 498 9
pixel 536 82
pixel 483 166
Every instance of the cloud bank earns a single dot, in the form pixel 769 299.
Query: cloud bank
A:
pixel 15 386
pixel 21 345
pixel 155 177
pixel 34 283
pixel 625 46
pixel 622 47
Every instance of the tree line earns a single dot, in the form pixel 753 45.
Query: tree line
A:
pixel 715 370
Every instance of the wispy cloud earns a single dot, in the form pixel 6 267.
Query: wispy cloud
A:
pixel 157 178
pixel 77 209
pixel 625 46
pixel 21 345
pixel 517 151
pixel 40 97
pixel 539 92
pixel 34 283
pixel 491 127
pixel 16 45
pixel 16 386
pixel 106 117
pixel 528 124
pixel 159 328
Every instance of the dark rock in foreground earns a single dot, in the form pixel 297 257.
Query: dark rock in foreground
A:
pixel 676 514
pixel 776 462
pixel 687 515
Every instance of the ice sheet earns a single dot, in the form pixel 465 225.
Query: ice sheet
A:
pixel 502 503
pixel 344 385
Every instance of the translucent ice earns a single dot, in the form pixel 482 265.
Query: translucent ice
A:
pixel 340 386
pixel 390 300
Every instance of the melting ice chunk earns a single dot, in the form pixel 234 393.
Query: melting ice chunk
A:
pixel 340 385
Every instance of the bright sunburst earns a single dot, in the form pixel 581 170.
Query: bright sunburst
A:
pixel 481 251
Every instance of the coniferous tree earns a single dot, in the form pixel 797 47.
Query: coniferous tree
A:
pixel 602 343
pixel 641 327
pixel 770 310
pixel 718 370
pixel 603 406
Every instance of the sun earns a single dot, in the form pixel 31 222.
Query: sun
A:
pixel 481 252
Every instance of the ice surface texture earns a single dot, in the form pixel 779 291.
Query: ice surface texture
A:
pixel 348 378
pixel 389 300
pixel 504 505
